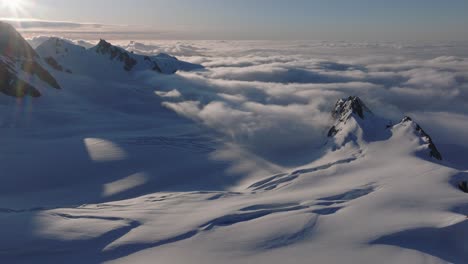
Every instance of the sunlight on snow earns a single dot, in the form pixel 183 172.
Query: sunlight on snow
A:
pixel 101 150
pixel 122 185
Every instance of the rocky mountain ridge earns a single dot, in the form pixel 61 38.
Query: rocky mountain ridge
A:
pixel 21 68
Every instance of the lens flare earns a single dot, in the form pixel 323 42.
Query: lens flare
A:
pixel 14 6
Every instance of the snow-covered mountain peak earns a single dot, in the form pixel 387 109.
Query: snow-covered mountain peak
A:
pixel 58 46
pixel 116 53
pixel 347 107
pixel 352 118
pixel 103 45
pixel 356 124
pixel 55 48
pixel 407 125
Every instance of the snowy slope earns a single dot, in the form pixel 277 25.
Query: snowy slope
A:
pixel 101 171
pixel 380 196
pixel 105 60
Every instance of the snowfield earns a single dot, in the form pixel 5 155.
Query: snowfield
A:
pixel 252 158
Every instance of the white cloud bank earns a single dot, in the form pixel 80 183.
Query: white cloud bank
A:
pixel 276 97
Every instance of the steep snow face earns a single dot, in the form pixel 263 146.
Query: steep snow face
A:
pixel 21 70
pixel 408 126
pixel 105 60
pixel 58 48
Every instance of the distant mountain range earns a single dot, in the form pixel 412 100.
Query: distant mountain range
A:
pixel 23 69
pixel 106 58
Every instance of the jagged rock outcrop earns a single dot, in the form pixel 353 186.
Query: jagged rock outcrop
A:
pixel 345 109
pixel 105 48
pixel 55 65
pixel 18 64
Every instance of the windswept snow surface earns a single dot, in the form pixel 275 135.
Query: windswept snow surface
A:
pixel 235 163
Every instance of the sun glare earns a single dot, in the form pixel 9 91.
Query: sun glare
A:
pixel 14 6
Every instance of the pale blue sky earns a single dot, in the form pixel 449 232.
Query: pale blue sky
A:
pixel 269 19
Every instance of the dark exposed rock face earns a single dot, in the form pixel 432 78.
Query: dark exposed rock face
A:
pixel 18 61
pixel 34 68
pixel 11 85
pixel 344 109
pixel 434 152
pixel 12 44
pixel 121 55
pixel 54 64
pixel 463 186
pixel 155 65
pixel 332 131
pixel 351 105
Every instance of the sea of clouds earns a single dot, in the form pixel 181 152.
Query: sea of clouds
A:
pixel 276 97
